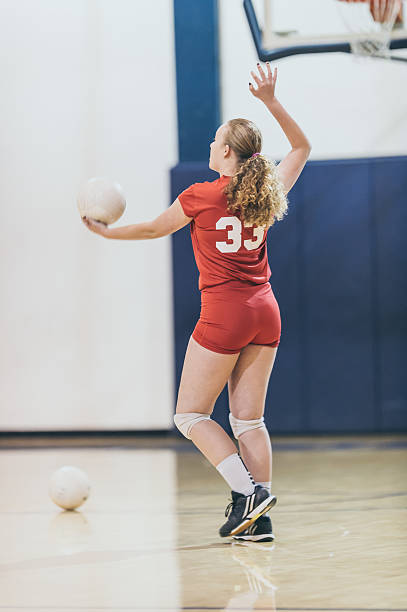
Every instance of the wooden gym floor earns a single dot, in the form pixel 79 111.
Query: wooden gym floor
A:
pixel 146 539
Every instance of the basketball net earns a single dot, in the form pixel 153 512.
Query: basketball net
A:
pixel 371 23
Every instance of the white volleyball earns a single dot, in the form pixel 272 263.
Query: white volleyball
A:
pixel 69 487
pixel 102 200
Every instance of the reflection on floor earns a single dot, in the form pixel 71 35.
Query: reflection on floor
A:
pixel 146 539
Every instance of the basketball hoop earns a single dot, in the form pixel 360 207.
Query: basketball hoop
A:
pixel 371 24
pixel 369 28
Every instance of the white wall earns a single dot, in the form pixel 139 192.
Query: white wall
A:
pixel 88 89
pixel 348 107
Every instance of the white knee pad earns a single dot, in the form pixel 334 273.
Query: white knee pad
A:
pixel 239 426
pixel 185 421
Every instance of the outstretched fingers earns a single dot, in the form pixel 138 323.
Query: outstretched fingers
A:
pixel 256 78
pixel 265 81
pixel 261 71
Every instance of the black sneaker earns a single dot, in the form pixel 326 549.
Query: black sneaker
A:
pixel 245 509
pixel 260 531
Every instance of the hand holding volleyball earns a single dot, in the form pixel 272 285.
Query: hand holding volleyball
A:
pixel 98 227
pixel 100 202
pixel 266 83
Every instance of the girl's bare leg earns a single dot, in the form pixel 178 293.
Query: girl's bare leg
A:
pixel 204 375
pixel 247 392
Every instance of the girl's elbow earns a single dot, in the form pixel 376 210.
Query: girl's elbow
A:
pixel 306 152
pixel 308 148
pixel 304 149
pixel 157 232
pixel 153 231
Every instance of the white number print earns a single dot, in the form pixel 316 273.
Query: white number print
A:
pixel 258 234
pixel 235 235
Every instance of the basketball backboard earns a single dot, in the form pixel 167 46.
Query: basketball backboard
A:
pixel 281 28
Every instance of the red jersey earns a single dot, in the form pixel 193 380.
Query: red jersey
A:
pixel 225 248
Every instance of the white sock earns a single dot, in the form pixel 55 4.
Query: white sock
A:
pixel 236 475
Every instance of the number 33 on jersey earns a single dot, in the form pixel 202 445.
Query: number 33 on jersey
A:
pixel 225 248
pixel 234 225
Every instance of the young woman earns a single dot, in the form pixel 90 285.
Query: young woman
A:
pixel 237 335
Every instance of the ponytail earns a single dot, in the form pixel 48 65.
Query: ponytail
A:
pixel 255 190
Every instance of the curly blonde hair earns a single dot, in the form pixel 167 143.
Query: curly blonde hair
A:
pixel 255 190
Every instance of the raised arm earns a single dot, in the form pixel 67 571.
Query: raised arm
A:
pixel 167 223
pixel 289 169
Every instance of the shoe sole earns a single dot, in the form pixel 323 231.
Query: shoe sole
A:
pixel 269 537
pixel 254 515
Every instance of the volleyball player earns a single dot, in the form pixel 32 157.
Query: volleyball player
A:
pixel 236 338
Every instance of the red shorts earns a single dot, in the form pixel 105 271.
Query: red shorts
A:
pixel 234 315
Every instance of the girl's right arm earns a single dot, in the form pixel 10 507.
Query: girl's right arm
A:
pixel 290 168
pixel 170 221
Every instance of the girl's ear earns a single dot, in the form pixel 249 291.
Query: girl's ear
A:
pixel 226 151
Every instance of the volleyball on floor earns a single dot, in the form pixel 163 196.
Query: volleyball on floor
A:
pixel 102 200
pixel 69 487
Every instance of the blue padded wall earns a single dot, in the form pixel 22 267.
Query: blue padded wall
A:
pixel 389 212
pixel 338 264
pixel 337 296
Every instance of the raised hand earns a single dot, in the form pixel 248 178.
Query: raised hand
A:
pixel 266 83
